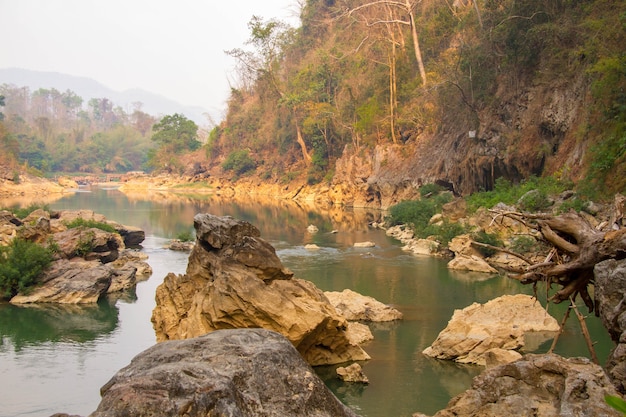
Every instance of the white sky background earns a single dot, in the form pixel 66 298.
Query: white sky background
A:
pixel 174 48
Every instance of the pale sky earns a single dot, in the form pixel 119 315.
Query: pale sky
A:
pixel 172 48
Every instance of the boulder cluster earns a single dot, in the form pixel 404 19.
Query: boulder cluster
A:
pixel 87 262
pixel 234 279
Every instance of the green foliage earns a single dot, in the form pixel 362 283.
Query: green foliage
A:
pixel 417 213
pixel 489 239
pixel 176 133
pixel 185 236
pixel 524 244
pixel 576 203
pixel 85 243
pixel 445 232
pixel 616 403
pixel 534 201
pixel 239 162
pixel 21 213
pixel 430 189
pixel 506 192
pixel 80 222
pixel 21 263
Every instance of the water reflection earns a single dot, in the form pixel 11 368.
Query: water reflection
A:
pixel 402 380
pixel 27 325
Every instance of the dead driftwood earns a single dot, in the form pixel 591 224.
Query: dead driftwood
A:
pixel 576 247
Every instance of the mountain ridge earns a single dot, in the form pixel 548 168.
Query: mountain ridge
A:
pixel 88 88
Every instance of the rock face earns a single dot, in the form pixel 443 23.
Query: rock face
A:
pixel 537 385
pixel 242 372
pixel 235 280
pixel 610 293
pixel 499 323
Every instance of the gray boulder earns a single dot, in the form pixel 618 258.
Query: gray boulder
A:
pixel 610 293
pixel 539 386
pixel 70 282
pixel 234 373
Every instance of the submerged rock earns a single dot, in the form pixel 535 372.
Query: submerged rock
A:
pixel 235 280
pixel 500 323
pixel 242 372
pixel 537 385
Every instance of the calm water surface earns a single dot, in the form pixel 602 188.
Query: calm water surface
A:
pixel 55 358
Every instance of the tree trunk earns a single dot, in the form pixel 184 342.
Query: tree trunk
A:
pixel 305 153
pixel 416 44
pixel 577 248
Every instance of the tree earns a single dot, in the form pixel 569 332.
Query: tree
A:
pixel 1 105
pixel 270 39
pixel 176 133
pixel 387 15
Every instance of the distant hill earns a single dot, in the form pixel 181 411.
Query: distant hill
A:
pixel 88 88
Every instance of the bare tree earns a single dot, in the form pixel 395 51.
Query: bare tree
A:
pixel 407 7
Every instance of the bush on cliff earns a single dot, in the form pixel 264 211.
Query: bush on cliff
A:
pixel 21 263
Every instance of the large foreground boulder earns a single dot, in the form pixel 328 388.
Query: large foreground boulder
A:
pixel 610 293
pixel 498 324
pixel 235 280
pixel 539 386
pixel 243 373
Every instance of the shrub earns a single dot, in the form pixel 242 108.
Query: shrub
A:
pixel 185 236
pixel 85 244
pixel 21 213
pixel 80 222
pixel 445 232
pixel 430 189
pixel 524 244
pixel 417 213
pixel 534 200
pixel 21 263
pixel 487 238
pixel 505 192
pixel 239 162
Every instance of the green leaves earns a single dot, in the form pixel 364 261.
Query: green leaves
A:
pixel 21 263
pixel 177 133
pixel 616 402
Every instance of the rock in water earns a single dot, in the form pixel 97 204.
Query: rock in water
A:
pixel 242 372
pixel 537 385
pixel 355 306
pixel 499 323
pixel 235 280
pixel 75 282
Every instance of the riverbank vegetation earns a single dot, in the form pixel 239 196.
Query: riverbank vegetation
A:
pixel 21 263
pixel 477 94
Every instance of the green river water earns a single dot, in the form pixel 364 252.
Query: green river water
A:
pixel 55 358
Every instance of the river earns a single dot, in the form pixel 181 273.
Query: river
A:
pixel 55 358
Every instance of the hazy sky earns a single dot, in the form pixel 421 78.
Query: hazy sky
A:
pixel 172 48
